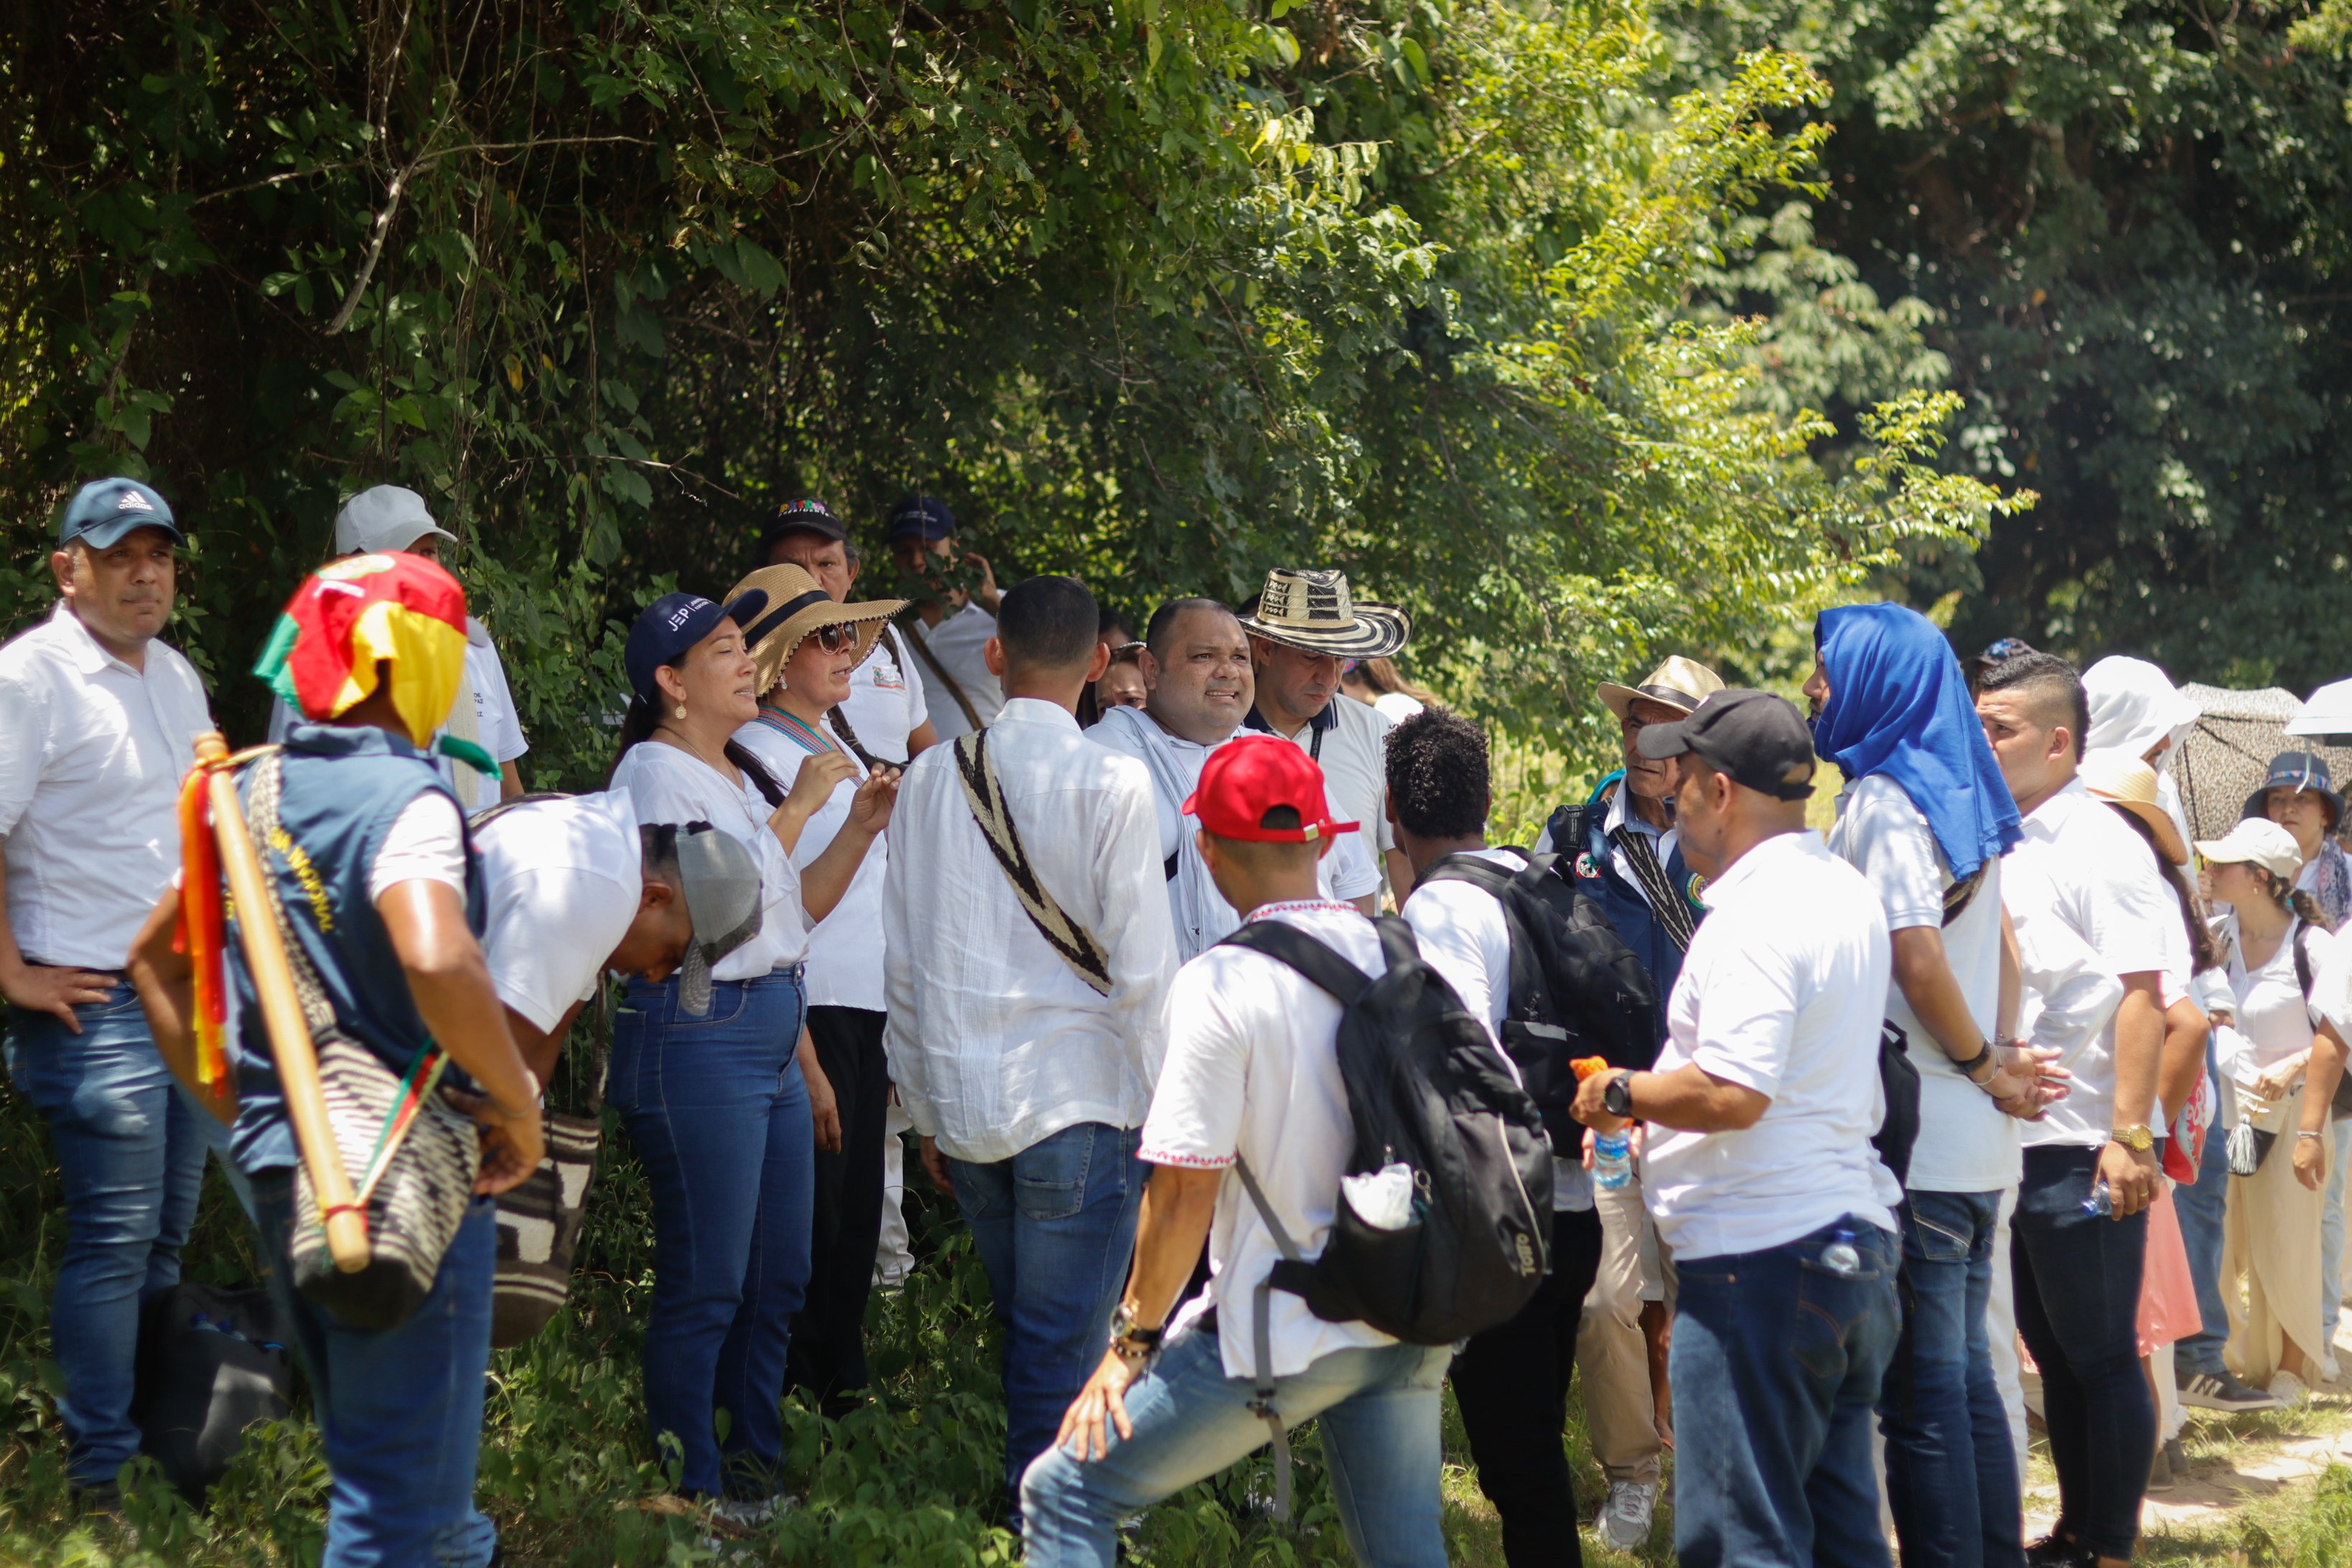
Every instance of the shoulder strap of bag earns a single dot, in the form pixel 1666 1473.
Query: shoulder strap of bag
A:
pixel 1962 893
pixel 261 817
pixel 1262 1333
pixel 955 690
pixel 1285 943
pixel 2304 973
pixel 1641 856
pixel 985 796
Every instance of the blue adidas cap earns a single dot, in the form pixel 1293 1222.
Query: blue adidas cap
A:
pixel 103 511
pixel 673 623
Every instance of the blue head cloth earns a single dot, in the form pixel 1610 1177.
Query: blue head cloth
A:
pixel 1899 706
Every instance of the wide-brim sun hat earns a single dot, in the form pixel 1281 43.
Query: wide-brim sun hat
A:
pixel 1315 613
pixel 2122 778
pixel 797 607
pixel 2256 841
pixel 1679 682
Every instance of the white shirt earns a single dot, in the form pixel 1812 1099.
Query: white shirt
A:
pixel 1201 916
pixel 91 767
pixel 1781 993
pixel 2080 869
pixel 1253 1069
pixel 1966 1143
pixel 1355 759
pixel 668 783
pixel 564 879
pixel 993 1040
pixel 883 706
pixel 497 728
pixel 1397 706
pixel 2274 1018
pixel 845 951
pixel 426 843
pixel 1464 937
pixel 958 642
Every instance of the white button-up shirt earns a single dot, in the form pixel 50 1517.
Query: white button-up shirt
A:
pixel 995 1043
pixel 91 755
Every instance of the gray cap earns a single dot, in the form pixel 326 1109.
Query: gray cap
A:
pixel 720 882
pixel 382 518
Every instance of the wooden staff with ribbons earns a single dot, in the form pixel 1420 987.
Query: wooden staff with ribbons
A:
pixel 290 1045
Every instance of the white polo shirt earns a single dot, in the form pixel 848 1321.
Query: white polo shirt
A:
pixel 563 877
pixel 1352 749
pixel 1781 992
pixel 958 642
pixel 1253 1069
pixel 2080 880
pixel 845 951
pixel 91 755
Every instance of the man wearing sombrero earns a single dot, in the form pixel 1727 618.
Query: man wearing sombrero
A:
pixel 1304 630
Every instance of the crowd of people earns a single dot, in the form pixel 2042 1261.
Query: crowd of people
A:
pixel 1841 1130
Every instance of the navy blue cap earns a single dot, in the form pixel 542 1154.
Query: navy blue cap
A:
pixel 921 517
pixel 103 511
pixel 673 623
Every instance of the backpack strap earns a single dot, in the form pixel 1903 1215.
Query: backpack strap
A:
pixel 2304 976
pixel 985 796
pixel 1285 943
pixel 1262 1337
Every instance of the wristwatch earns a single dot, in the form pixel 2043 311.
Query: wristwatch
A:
pixel 1130 1343
pixel 1617 1096
pixel 2136 1137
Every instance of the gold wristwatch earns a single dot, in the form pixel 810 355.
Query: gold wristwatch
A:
pixel 2136 1137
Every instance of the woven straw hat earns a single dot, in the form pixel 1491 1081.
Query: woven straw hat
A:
pixel 1313 611
pixel 2122 779
pixel 1680 683
pixel 797 607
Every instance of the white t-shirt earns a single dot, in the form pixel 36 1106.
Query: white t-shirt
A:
pixel 2079 867
pixel 958 642
pixel 564 878
pixel 426 843
pixel 1780 992
pixel 883 706
pixel 1353 751
pixel 667 784
pixel 1464 937
pixel 1253 1069
pixel 845 951
pixel 1966 1143
pixel 1397 706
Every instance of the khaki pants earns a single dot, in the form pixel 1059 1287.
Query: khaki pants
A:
pixel 1611 1357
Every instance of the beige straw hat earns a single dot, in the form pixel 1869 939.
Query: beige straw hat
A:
pixel 2122 779
pixel 797 608
pixel 1680 683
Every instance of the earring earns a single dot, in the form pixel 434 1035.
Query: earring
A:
pixel 779 683
pixel 681 710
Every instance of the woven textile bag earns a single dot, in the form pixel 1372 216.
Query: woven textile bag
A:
pixel 412 1156
pixel 538 1230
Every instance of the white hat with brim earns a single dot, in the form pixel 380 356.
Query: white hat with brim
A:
pixel 384 518
pixel 1679 682
pixel 2256 841
pixel 798 606
pixel 1314 612
pixel 2123 779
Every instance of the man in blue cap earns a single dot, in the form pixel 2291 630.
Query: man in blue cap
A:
pixel 950 626
pixel 101 720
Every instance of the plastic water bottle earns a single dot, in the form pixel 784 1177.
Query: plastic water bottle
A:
pixel 1613 1160
pixel 1841 1256
pixel 2101 1204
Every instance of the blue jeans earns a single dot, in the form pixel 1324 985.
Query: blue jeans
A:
pixel 1776 1363
pixel 1055 1227
pixel 2331 1235
pixel 399 1410
pixel 2199 1206
pixel 2078 1309
pixel 131 1155
pixel 719 1113
pixel 1951 1471
pixel 1379 1411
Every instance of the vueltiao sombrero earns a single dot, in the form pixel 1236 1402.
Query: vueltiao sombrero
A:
pixel 1679 682
pixel 1313 611
pixel 798 606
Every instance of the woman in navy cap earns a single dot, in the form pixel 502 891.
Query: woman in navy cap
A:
pixel 2298 795
pixel 708 1069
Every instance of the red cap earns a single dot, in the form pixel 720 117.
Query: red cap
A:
pixel 1249 775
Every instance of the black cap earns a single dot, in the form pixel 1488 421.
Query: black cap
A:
pixel 801 513
pixel 1760 740
pixel 673 623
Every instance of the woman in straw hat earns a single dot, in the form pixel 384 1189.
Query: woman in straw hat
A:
pixel 2284 1055
pixel 805 648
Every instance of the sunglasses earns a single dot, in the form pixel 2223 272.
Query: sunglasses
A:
pixel 837 638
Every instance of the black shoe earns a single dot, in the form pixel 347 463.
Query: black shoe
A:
pixel 2220 1391
pixel 2050 1551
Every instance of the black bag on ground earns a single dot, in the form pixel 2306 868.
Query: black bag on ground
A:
pixel 1898 1083
pixel 210 1364
pixel 1576 989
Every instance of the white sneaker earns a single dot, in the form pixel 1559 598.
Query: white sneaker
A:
pixel 2289 1390
pixel 2330 1371
pixel 1625 1522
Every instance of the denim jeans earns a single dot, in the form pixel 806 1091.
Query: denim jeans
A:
pixel 2331 1235
pixel 1951 1471
pixel 399 1410
pixel 2078 1282
pixel 1776 1363
pixel 1378 1410
pixel 719 1114
pixel 2199 1206
pixel 131 1155
pixel 1055 1227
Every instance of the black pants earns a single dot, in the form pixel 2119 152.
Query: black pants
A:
pixel 828 1348
pixel 1512 1384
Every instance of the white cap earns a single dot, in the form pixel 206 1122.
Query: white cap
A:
pixel 382 518
pixel 2257 842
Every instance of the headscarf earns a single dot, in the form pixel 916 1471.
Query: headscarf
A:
pixel 1899 706
pixel 399 611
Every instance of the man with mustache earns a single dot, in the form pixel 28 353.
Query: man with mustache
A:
pixel 101 720
pixel 1198 688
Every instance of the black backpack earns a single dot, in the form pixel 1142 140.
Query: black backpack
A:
pixel 1576 989
pixel 209 1365
pixel 1425 1087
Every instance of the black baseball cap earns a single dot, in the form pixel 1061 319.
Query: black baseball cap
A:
pixel 673 623
pixel 1757 738
pixel 920 517
pixel 801 513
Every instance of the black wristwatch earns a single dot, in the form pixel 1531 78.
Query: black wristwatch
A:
pixel 1617 1096
pixel 1131 1343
